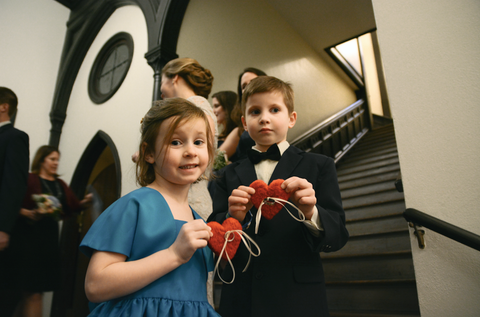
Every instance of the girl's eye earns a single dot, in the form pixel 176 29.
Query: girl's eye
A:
pixel 199 142
pixel 254 112
pixel 175 142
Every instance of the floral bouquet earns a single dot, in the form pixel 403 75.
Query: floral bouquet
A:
pixel 48 205
pixel 220 161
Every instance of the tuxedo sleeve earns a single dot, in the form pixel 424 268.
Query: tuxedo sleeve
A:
pixel 330 210
pixel 14 181
pixel 220 197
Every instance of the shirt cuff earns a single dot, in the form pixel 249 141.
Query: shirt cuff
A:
pixel 314 225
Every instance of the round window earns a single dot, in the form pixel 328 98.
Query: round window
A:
pixel 110 67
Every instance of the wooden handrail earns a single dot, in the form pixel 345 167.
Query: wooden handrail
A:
pixel 336 135
pixel 444 228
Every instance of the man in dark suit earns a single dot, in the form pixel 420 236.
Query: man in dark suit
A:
pixel 287 278
pixel 14 161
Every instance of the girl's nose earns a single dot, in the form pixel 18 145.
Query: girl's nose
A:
pixel 190 150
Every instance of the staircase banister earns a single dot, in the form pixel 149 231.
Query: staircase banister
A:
pixel 444 228
pixel 328 121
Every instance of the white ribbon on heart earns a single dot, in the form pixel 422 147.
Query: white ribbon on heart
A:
pixel 229 237
pixel 274 200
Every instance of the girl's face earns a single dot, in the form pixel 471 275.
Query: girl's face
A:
pixel 167 87
pixel 50 164
pixel 182 159
pixel 218 110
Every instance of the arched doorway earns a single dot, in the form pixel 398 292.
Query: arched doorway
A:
pixel 98 172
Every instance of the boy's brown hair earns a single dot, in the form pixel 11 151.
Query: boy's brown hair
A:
pixel 269 84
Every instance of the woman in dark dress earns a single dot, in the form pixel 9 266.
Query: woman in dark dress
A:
pixel 36 234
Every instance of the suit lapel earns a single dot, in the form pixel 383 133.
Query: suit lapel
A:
pixel 246 172
pixel 287 164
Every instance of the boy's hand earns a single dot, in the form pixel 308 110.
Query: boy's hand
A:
pixel 302 194
pixel 239 202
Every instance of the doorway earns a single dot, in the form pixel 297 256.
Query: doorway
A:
pixel 98 172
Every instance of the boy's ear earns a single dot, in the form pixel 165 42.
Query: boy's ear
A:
pixel 293 120
pixel 244 124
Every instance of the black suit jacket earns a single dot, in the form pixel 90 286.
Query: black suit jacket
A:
pixel 287 278
pixel 14 161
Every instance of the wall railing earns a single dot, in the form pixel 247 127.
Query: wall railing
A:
pixel 336 135
pixel 417 218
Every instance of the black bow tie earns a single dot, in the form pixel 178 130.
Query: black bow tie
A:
pixel 273 153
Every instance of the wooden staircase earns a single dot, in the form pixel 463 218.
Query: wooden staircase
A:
pixel 373 274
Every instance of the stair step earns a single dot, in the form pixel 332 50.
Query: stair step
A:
pixel 368 189
pixel 388 153
pixel 390 176
pixel 394 297
pixel 368 166
pixel 372 149
pixel 391 208
pixel 372 314
pixel 357 175
pixel 375 268
pixel 371 225
pixel 354 154
pixel 370 245
pixel 374 142
pixel 372 199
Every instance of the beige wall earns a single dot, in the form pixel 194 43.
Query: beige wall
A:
pixel 227 36
pixel 430 54
pixel 29 61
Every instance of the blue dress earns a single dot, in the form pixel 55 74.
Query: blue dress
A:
pixel 138 225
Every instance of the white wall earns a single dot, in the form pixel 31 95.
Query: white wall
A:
pixel 430 54
pixel 120 116
pixel 227 36
pixel 32 33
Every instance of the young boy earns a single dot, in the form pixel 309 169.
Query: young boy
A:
pixel 287 278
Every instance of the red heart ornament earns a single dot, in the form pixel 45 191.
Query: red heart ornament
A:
pixel 217 241
pixel 262 191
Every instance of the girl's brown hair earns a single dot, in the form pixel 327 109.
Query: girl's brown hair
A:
pixel 40 156
pixel 195 75
pixel 183 111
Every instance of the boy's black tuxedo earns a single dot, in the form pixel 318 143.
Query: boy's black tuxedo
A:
pixel 287 278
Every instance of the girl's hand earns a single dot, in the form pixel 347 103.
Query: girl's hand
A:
pixel 193 235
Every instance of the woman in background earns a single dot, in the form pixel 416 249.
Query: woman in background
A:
pixel 36 233
pixel 245 143
pixel 224 103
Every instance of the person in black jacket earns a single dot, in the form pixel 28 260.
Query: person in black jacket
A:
pixel 14 161
pixel 286 279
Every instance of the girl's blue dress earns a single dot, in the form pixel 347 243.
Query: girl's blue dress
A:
pixel 138 225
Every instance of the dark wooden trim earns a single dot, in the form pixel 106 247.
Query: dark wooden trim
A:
pixel 336 135
pixel 163 18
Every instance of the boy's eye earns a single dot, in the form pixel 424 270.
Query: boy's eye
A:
pixel 254 111
pixel 274 110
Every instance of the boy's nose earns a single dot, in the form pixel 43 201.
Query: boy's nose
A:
pixel 264 118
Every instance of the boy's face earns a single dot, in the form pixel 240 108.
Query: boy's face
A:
pixel 267 119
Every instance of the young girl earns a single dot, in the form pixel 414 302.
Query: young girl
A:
pixel 186 78
pixel 148 255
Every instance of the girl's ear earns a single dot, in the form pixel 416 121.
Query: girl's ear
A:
pixel 147 154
